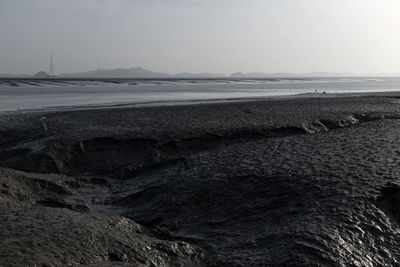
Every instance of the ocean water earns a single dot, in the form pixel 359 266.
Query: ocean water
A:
pixel 38 94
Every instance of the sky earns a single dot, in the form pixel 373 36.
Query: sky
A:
pixel 219 36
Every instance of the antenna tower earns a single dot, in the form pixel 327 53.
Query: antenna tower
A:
pixel 51 70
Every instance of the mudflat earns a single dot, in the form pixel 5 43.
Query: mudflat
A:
pixel 273 182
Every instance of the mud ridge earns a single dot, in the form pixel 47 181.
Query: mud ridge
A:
pixel 124 158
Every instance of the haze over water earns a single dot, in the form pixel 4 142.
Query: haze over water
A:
pixel 59 93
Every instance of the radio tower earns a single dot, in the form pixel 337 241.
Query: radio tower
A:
pixel 51 70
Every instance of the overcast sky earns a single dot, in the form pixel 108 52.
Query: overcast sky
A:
pixel 358 36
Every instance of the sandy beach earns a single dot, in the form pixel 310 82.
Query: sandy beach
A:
pixel 306 181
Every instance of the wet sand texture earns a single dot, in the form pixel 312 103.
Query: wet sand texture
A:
pixel 283 182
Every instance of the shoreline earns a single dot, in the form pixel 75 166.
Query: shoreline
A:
pixel 301 96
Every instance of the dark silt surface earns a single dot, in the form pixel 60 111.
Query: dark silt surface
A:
pixel 275 182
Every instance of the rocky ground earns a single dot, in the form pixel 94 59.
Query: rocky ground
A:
pixel 275 182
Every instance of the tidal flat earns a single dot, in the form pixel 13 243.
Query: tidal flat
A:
pixel 283 182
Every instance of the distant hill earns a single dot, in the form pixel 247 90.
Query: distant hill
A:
pixel 262 75
pixel 139 72
pixel 136 72
pixel 41 74
pixel 199 75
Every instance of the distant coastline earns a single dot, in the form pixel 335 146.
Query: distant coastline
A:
pixel 141 73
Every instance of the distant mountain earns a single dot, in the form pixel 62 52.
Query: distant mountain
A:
pixel 262 75
pixel 199 75
pixel 136 72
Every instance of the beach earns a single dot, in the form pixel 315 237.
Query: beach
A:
pixel 291 181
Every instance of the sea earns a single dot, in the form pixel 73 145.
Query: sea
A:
pixel 57 93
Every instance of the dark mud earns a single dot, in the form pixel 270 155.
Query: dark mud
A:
pixel 299 182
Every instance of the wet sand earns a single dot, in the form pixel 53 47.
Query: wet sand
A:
pixel 272 182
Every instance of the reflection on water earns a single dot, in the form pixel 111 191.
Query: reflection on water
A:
pixel 35 94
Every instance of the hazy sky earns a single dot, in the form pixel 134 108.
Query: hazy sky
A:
pixel 359 36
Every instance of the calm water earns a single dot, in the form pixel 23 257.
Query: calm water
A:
pixel 45 94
